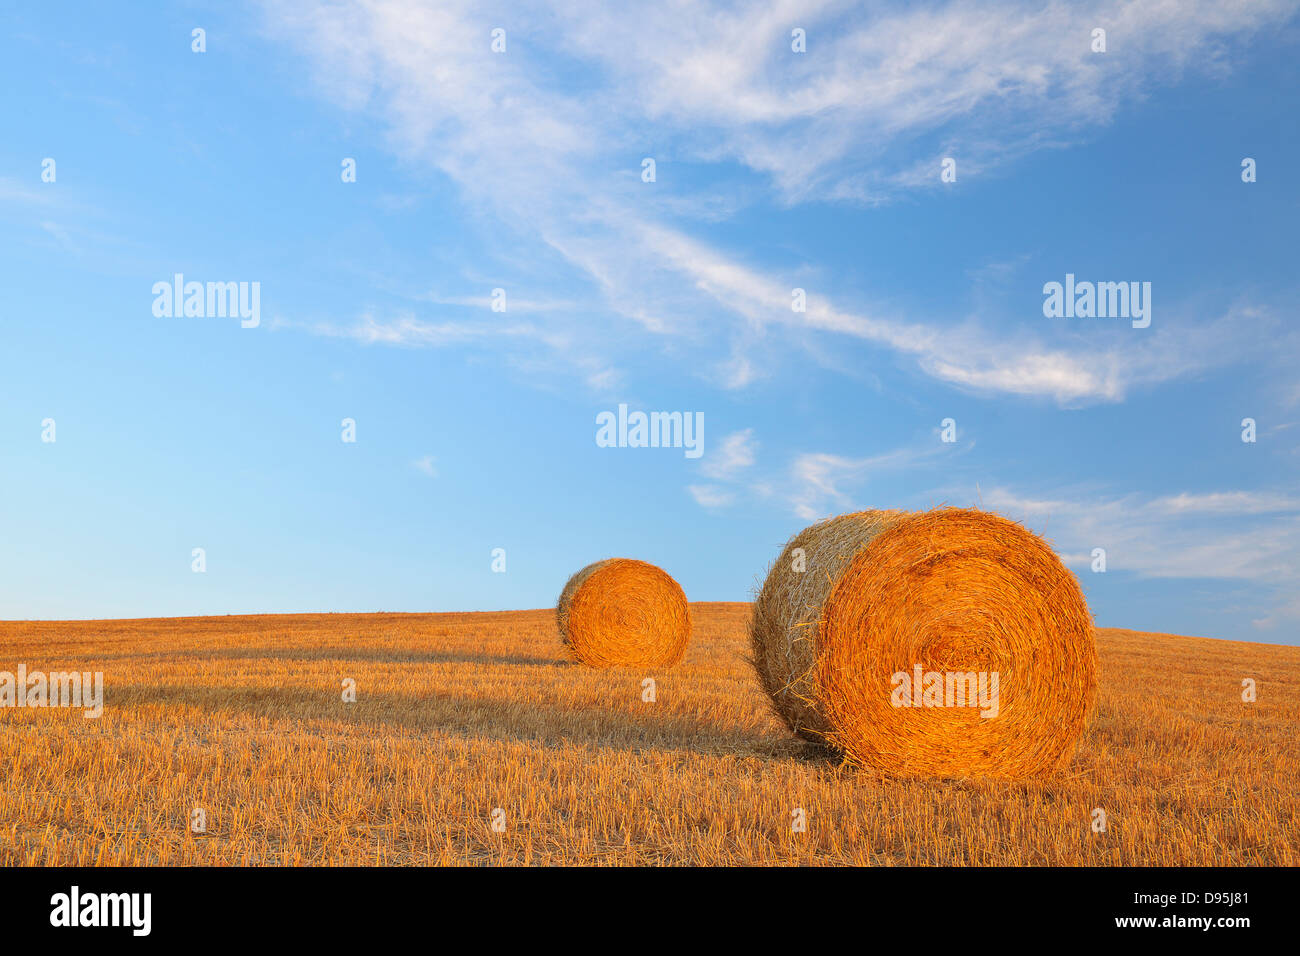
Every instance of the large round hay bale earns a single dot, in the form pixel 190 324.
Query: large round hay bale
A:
pixel 620 612
pixel 885 600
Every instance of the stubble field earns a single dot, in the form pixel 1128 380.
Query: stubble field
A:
pixel 459 715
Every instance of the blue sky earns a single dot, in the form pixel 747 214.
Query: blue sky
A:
pixel 522 170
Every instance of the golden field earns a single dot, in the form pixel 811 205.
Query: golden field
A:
pixel 459 714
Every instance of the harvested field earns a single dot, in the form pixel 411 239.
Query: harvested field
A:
pixel 460 714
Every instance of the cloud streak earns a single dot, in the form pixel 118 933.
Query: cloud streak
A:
pixel 877 98
pixel 733 455
pixel 1247 536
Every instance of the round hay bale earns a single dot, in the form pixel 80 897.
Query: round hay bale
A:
pixel 846 648
pixel 620 612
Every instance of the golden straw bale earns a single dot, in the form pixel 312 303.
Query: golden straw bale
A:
pixel 858 607
pixel 620 612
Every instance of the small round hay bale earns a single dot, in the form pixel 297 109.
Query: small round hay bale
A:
pixel 620 612
pixel 887 597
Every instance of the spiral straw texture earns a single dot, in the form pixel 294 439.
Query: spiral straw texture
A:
pixel 949 592
pixel 620 612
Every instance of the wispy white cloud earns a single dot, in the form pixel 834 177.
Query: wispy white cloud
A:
pixel 879 95
pixel 732 455
pixel 711 496
pixel 968 356
pixel 1250 536
pixel 814 484
pixel 60 235
pixel 516 305
pixel 1227 503
pixel 998 78
pixel 734 373
pixel 408 331
pixel 425 466
pixel 561 352
pixel 725 464
pixel 818 479
pixel 30 194
pixel 821 484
